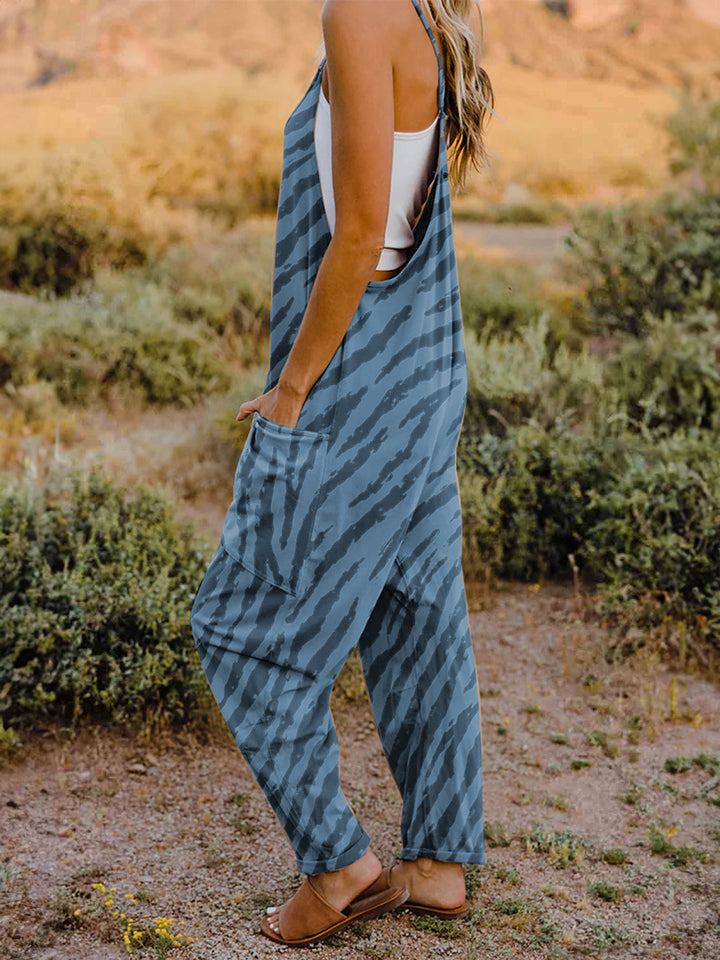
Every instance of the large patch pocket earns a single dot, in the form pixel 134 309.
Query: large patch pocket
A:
pixel 277 491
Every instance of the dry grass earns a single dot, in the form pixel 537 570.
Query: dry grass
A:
pixel 169 112
pixel 159 159
pixel 588 138
pixel 165 157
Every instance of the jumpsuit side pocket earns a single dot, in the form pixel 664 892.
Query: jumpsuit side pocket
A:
pixel 270 528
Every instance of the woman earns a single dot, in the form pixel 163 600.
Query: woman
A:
pixel 345 528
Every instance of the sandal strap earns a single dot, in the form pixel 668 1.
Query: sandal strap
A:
pixel 381 883
pixel 307 912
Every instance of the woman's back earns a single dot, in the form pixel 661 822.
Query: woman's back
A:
pixel 414 70
pixel 411 111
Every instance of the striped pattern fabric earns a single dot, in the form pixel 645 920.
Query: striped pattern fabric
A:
pixel 346 530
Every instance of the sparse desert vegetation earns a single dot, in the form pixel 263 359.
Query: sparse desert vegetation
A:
pixel 136 256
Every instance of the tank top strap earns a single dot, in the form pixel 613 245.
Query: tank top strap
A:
pixel 441 76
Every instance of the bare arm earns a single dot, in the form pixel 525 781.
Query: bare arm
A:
pixel 360 76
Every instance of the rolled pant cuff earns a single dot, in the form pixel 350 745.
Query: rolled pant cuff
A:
pixel 335 863
pixel 453 856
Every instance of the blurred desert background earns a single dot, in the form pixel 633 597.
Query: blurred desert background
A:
pixel 140 163
pixel 134 101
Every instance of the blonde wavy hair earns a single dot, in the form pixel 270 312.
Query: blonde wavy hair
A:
pixel 469 96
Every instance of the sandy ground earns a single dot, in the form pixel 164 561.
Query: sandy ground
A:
pixel 574 754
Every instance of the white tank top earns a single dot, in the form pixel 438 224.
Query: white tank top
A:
pixel 414 161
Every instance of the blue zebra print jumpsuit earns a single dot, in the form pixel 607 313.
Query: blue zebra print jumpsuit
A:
pixel 346 530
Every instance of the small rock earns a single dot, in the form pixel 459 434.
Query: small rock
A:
pixel 60 831
pixel 137 768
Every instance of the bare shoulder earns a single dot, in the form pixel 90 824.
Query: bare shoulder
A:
pixel 366 20
pixel 360 43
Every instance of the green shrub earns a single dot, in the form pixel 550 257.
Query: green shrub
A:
pixel 498 299
pixel 561 849
pixel 670 378
pixel 640 514
pixel 505 377
pixel 123 335
pixel 639 260
pixel 708 762
pixel 9 743
pixel 678 764
pixel 615 855
pixel 679 856
pixel 655 539
pixel 53 256
pixel 694 129
pixel 225 285
pixel 607 891
pixel 496 835
pixel 513 380
pixel 527 499
pixel 96 586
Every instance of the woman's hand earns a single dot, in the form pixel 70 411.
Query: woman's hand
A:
pixel 279 405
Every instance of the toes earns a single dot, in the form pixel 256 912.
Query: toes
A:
pixel 270 909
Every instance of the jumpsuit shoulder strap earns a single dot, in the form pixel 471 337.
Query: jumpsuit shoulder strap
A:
pixel 441 77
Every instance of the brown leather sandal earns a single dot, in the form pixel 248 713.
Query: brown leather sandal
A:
pixel 307 917
pixel 445 913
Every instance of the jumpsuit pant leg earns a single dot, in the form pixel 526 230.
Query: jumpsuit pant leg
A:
pixel 277 706
pixel 417 658
pixel 272 666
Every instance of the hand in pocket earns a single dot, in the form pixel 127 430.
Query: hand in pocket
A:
pixel 277 405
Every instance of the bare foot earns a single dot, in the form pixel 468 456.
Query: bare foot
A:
pixel 341 886
pixel 434 883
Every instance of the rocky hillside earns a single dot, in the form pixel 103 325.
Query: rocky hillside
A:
pixel 632 42
pixel 638 43
pixel 44 41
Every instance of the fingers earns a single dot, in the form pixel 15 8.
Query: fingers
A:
pixel 246 409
